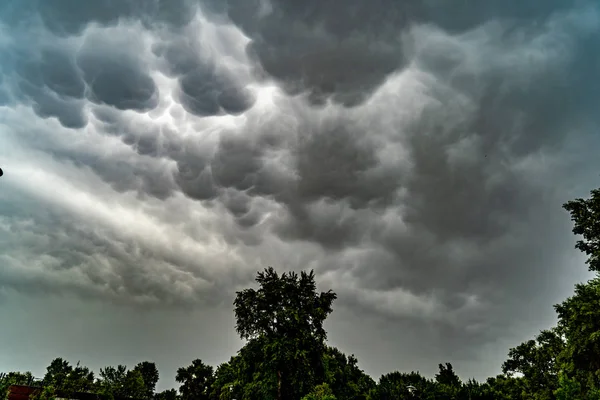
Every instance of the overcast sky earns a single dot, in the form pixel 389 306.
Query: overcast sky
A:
pixel 415 154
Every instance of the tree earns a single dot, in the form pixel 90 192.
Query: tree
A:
pixel 447 376
pixel 57 373
pixel 568 388
pixel 579 315
pixel 448 383
pixel 395 385
pixel 119 382
pixel 13 378
pixel 149 374
pixel 288 313
pixel 579 322
pixel 169 394
pixel 585 213
pixel 133 385
pixel 111 380
pixel 61 376
pixel 505 388
pixel 196 381
pixel 225 377
pixel 536 361
pixel 320 392
pixel 344 377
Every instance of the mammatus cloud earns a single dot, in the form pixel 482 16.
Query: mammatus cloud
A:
pixel 415 155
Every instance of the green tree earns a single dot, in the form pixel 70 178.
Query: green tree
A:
pixel 579 315
pixel 134 386
pixel 579 322
pixel 61 376
pixel 57 373
pixel 585 214
pixel 505 388
pixel 473 390
pixel 119 382
pixel 447 376
pixel 288 313
pixel 196 381
pixel 395 385
pixel 111 380
pixel 448 383
pixel 13 378
pixel 229 380
pixel 344 377
pixel 150 376
pixel 568 388
pixel 536 361
pixel 169 394
pixel 320 392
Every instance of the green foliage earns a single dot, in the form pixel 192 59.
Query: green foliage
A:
pixel 579 322
pixel 286 315
pixel 446 376
pixel 62 376
pixel 149 374
pixel 568 388
pixel 536 361
pixel 13 378
pixel 505 387
pixel 395 385
pixel 320 392
pixel 585 214
pixel 169 394
pixel 119 382
pixel 47 393
pixel 196 381
pixel 344 376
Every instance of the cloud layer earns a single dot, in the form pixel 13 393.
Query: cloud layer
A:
pixel 415 155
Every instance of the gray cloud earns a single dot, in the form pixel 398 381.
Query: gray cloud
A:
pixel 114 74
pixel 415 155
pixel 67 17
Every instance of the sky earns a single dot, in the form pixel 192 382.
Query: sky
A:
pixel 415 154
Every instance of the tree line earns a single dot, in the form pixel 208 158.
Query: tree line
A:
pixel 286 355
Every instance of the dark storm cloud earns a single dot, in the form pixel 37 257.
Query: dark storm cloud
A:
pixel 115 74
pixel 206 86
pixel 204 93
pixel 344 49
pixel 316 47
pixel 69 17
pixel 52 83
pixel 500 94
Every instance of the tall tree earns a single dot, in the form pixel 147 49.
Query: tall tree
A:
pixel 111 380
pixel 447 376
pixel 289 313
pixel 449 383
pixel 150 375
pixel 57 373
pixel 60 375
pixel 196 381
pixel 120 382
pixel 579 315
